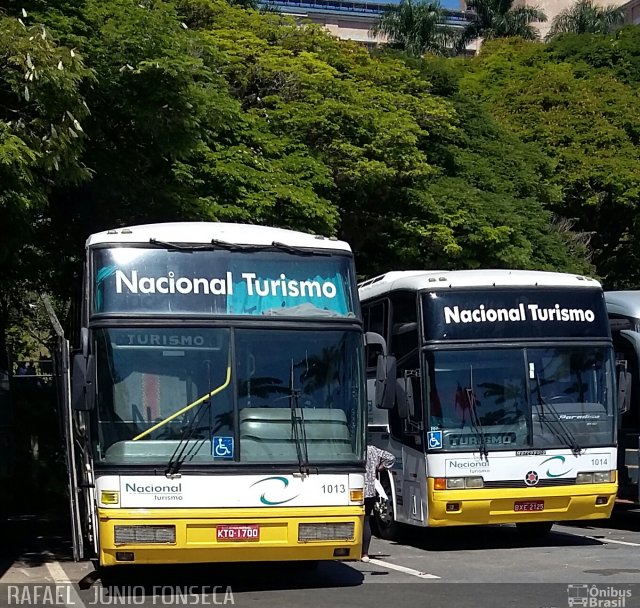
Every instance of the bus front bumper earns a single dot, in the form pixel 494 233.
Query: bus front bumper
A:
pixel 171 536
pixel 516 505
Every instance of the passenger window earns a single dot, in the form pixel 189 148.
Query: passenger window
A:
pixel 404 331
pixel 376 320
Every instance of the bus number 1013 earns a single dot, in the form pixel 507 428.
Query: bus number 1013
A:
pixel 334 488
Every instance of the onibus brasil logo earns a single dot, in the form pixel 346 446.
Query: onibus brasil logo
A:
pixel 597 596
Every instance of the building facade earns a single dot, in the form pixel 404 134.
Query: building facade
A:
pixel 353 19
pixel 551 8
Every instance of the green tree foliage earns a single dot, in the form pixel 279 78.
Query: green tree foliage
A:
pixel 168 139
pixel 492 193
pixel 200 110
pixel 587 17
pixel 587 124
pixel 616 53
pixel 501 19
pixel 41 142
pixel 416 26
pixel 377 122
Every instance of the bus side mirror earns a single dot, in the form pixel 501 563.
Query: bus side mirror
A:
pixel 624 391
pixel 404 397
pixel 83 396
pixel 371 338
pixel 84 341
pixel 385 394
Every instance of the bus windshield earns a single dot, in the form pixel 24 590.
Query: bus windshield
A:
pixel 522 398
pixel 216 396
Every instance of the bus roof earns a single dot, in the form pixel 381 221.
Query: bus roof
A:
pixel 625 303
pixel 444 279
pixel 204 232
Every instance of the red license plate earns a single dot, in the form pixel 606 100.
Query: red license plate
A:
pixel 528 505
pixel 244 532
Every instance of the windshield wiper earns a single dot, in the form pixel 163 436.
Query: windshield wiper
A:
pixel 298 430
pixel 298 250
pixel 218 244
pixel 274 245
pixel 181 453
pixel 178 247
pixel 474 418
pixel 563 434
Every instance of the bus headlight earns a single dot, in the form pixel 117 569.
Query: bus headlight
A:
pixel 455 483
pixel 595 477
pixel 458 483
pixel 602 477
pixel 474 482
pixel 584 478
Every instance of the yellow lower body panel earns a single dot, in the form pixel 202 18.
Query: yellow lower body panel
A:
pixel 196 538
pixel 491 506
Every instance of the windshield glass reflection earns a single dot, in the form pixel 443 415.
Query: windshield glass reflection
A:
pixel 213 396
pixel 521 398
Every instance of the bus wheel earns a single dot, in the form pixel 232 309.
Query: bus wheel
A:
pixel 110 576
pixel 534 530
pixel 384 520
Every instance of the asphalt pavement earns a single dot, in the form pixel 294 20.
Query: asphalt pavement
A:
pixel 593 565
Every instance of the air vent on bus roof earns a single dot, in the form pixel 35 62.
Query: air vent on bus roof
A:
pixel 372 281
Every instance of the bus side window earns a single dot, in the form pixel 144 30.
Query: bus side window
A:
pixel 404 329
pixel 624 351
pixel 405 347
pixel 376 320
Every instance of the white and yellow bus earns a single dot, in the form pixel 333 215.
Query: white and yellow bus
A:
pixel 624 317
pixel 505 398
pixel 216 407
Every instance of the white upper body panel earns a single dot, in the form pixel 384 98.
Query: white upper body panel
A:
pixel 625 303
pixel 417 280
pixel 204 232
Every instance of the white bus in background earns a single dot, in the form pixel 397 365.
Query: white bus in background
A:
pixel 216 409
pixel 624 317
pixel 505 405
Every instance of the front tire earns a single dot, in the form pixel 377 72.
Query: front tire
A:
pixel 385 524
pixel 534 530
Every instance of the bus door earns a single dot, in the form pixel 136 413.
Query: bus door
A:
pixel 62 376
pixel 627 348
pixel 79 477
pixel 409 403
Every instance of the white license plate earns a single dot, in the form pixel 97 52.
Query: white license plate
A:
pixel 243 532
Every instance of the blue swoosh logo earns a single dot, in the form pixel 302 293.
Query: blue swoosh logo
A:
pixel 562 460
pixel 285 483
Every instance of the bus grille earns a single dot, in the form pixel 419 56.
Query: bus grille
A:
pixel 325 532
pixel 519 483
pixel 134 535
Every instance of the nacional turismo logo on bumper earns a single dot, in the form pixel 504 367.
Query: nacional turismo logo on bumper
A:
pixel 158 491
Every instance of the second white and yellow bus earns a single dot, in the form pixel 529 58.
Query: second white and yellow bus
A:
pixel 505 407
